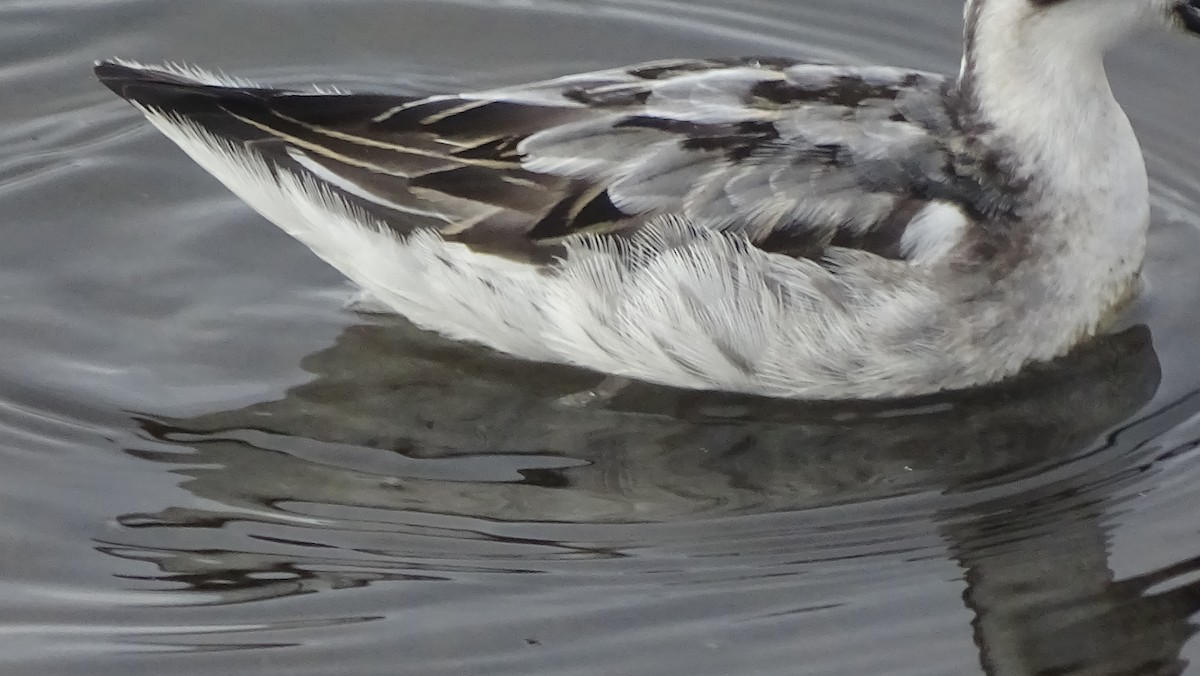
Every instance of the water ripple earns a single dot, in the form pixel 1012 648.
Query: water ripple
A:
pixel 212 467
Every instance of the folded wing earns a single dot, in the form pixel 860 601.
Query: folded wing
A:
pixel 796 157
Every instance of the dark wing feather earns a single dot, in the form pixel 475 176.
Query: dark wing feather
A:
pixel 796 156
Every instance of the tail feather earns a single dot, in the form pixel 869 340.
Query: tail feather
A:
pixel 452 163
pixel 260 121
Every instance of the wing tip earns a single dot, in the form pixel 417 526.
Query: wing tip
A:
pixel 161 84
pixel 120 76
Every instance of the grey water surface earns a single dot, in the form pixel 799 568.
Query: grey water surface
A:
pixel 208 465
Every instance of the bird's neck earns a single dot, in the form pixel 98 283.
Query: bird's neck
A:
pixel 1039 88
pixel 1036 104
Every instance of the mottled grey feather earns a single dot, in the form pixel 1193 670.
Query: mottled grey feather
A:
pixel 796 156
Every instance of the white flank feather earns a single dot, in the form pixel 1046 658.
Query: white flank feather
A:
pixel 678 305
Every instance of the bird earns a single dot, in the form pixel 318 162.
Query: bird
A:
pixel 764 225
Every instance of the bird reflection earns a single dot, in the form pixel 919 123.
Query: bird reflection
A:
pixel 432 427
pixel 1038 580
pixel 402 438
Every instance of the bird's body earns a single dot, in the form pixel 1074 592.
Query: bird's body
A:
pixel 756 225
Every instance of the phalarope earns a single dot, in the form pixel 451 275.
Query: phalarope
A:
pixel 760 225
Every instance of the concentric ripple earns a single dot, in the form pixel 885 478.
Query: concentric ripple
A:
pixel 211 466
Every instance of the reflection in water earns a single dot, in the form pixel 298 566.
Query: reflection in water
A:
pixel 391 464
pixel 399 420
pixel 1045 601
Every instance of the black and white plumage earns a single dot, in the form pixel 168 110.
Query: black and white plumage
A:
pixel 760 225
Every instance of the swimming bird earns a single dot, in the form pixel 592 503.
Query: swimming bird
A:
pixel 768 226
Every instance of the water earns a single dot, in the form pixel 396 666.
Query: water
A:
pixel 210 466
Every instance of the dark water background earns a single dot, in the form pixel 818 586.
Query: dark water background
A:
pixel 209 466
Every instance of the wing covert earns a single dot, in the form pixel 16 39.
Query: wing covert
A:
pixel 797 157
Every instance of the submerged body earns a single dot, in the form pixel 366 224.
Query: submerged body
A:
pixel 756 225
